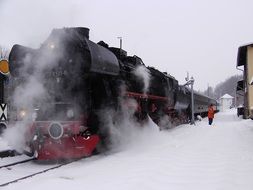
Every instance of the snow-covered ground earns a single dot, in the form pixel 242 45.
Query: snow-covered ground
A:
pixel 4 145
pixel 200 157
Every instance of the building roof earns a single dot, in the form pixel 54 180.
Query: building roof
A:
pixel 242 54
pixel 226 96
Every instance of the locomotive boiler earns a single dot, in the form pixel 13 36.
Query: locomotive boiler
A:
pixel 59 90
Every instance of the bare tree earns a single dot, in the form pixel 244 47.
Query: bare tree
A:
pixel 226 87
pixel 209 92
pixel 4 52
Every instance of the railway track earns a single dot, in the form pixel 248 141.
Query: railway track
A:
pixel 18 171
pixel 8 153
pixel 16 163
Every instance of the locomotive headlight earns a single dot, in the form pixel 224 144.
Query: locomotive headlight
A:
pixel 22 114
pixel 70 113
pixel 55 130
pixel 51 46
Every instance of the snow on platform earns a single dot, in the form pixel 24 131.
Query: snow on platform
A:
pixel 4 144
pixel 189 157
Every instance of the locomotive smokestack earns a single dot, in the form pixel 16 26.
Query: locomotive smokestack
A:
pixel 82 31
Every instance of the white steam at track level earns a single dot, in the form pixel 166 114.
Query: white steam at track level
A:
pixel 123 128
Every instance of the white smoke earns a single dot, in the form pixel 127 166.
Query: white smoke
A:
pixel 15 135
pixel 29 90
pixel 165 122
pixel 123 128
pixel 143 74
pixel 25 95
pixel 199 118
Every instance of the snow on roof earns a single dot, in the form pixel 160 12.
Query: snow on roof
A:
pixel 226 96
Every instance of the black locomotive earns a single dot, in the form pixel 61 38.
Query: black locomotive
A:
pixel 60 90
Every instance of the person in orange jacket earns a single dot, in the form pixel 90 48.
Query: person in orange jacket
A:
pixel 210 114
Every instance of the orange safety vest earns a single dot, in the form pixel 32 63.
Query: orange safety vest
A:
pixel 210 112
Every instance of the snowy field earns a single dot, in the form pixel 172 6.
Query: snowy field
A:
pixel 200 157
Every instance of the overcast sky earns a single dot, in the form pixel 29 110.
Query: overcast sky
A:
pixel 198 36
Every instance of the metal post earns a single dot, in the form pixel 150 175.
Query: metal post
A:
pixel 120 43
pixel 192 101
pixel 208 89
pixel 235 99
pixel 120 46
pixel 1 88
pixel 191 82
pixel 208 92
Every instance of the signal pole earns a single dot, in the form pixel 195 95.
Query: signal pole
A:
pixel 1 89
pixel 120 42
pixel 190 82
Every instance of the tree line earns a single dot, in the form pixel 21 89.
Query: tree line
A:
pixel 226 87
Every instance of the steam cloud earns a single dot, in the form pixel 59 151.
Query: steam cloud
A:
pixel 29 91
pixel 143 74
pixel 123 128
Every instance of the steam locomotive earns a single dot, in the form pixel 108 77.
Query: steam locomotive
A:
pixel 59 93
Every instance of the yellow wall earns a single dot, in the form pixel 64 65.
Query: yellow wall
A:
pixel 250 77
